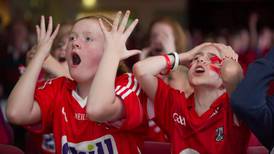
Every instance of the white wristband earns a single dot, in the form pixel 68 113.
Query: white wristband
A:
pixel 176 60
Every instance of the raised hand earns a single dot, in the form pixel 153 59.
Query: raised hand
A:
pixel 186 57
pixel 116 38
pixel 45 36
pixel 167 41
pixel 226 52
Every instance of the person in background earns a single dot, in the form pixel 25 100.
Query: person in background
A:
pixel 166 35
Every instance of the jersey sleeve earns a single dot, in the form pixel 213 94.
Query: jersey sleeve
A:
pixel 251 102
pixel 45 94
pixel 163 105
pixel 128 90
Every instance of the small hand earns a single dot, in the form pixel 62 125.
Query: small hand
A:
pixel 227 53
pixel 45 36
pixel 167 41
pixel 116 38
pixel 186 57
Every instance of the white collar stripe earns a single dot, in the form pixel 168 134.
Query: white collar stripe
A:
pixel 82 102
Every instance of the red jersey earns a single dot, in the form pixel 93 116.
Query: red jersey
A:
pixel 215 132
pixel 64 113
pixel 154 132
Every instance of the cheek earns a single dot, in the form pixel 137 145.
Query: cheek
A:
pixel 67 54
pixel 214 75
pixel 215 69
pixel 190 77
pixel 93 58
pixel 213 61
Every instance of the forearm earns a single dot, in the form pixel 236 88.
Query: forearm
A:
pixel 151 66
pixel 102 96
pixel 54 67
pixel 146 70
pixel 252 91
pixel 251 103
pixel 21 99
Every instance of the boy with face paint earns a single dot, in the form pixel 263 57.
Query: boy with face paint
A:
pixel 84 116
pixel 204 122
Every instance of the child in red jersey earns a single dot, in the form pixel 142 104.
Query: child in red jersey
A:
pixel 204 122
pixel 69 108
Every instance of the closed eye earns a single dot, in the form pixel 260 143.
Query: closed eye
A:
pixel 194 59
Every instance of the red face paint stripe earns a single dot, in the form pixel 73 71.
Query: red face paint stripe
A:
pixel 215 59
pixel 215 69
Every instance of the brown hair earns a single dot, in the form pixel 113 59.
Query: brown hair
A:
pixel 178 32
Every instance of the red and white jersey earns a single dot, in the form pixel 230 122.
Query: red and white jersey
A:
pixel 154 132
pixel 217 131
pixel 64 113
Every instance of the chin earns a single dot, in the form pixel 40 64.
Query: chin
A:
pixel 197 83
pixel 80 77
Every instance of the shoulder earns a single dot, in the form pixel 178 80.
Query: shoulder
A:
pixel 128 81
pixel 127 84
pixel 61 82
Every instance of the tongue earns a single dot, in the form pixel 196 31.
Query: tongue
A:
pixel 76 59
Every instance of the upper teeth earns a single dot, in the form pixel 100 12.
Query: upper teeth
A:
pixel 199 69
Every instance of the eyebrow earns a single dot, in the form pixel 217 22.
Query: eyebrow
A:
pixel 72 33
pixel 87 33
pixel 212 54
pixel 197 54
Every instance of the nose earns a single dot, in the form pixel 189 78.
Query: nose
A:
pixel 202 59
pixel 75 45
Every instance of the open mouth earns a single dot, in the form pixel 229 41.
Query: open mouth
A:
pixel 76 60
pixel 199 69
pixel 61 59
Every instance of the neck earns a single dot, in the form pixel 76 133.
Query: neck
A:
pixel 204 97
pixel 187 88
pixel 83 88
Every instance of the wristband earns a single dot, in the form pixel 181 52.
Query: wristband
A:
pixel 168 64
pixel 176 60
